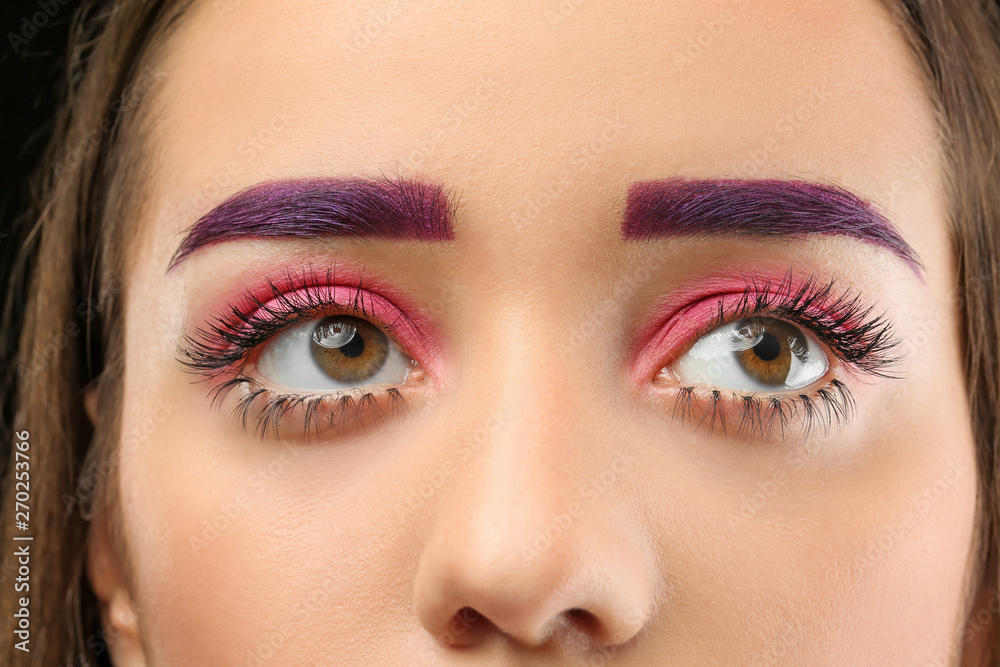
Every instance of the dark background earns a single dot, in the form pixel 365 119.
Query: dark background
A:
pixel 32 83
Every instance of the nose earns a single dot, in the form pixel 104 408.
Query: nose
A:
pixel 538 540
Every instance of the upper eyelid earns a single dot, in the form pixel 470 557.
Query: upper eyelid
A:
pixel 211 350
pixel 294 319
pixel 749 284
pixel 848 320
pixel 284 313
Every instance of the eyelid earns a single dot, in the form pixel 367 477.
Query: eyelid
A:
pixel 749 416
pixel 838 318
pixel 231 340
pixel 271 304
pixel 372 307
pixel 648 344
pixel 679 332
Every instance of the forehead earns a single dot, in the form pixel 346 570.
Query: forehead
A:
pixel 503 100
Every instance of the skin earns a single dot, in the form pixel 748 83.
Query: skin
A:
pixel 338 558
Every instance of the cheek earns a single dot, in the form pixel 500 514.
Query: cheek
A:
pixel 920 553
pixel 862 556
pixel 876 559
pixel 178 506
pixel 909 553
pixel 290 536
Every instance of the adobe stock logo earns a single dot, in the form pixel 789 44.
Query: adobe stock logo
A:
pixel 31 25
pixel 588 494
pixel 755 502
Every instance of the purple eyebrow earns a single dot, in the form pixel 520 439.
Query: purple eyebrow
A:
pixel 378 208
pixel 762 208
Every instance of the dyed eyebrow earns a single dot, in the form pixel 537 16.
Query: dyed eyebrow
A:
pixel 679 207
pixel 376 208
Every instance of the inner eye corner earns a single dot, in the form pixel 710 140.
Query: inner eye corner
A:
pixel 664 373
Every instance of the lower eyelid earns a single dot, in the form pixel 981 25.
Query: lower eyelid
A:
pixel 766 416
pixel 289 416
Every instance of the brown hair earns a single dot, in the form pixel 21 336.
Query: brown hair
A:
pixel 67 279
pixel 71 334
pixel 958 45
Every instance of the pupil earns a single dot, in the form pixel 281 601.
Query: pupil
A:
pixel 768 348
pixel 354 347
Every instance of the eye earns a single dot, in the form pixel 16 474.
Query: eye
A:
pixel 332 353
pixel 757 354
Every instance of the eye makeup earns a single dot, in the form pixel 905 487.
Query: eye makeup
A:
pixel 766 417
pixel 224 351
pixel 861 343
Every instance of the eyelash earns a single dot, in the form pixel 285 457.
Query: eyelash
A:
pixel 764 417
pixel 842 322
pixel 225 346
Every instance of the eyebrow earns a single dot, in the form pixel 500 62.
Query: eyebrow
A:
pixel 374 208
pixel 678 207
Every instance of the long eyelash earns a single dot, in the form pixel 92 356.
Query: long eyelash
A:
pixel 230 338
pixel 226 344
pixel 768 416
pixel 336 411
pixel 843 322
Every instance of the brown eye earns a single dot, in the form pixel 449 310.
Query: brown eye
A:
pixel 349 349
pixel 769 360
pixel 334 353
pixel 755 354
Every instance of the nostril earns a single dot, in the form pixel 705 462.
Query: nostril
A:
pixel 466 627
pixel 587 630
pixel 583 620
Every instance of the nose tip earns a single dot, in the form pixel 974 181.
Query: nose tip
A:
pixel 542 538
pixel 573 626
pixel 591 590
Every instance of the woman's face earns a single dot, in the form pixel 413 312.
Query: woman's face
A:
pixel 580 412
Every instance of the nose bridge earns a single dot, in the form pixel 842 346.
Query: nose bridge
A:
pixel 537 533
pixel 556 448
pixel 544 355
pixel 551 454
pixel 538 477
